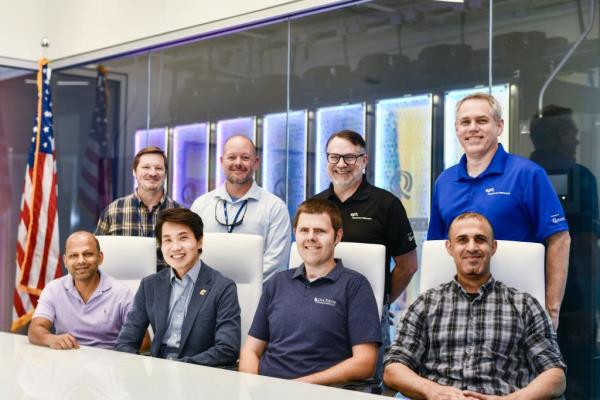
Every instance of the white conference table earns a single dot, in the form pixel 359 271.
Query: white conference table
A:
pixel 34 372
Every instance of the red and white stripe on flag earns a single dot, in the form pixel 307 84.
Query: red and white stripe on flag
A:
pixel 38 260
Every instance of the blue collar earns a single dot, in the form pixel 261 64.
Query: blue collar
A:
pixel 192 273
pixel 333 275
pixel 496 166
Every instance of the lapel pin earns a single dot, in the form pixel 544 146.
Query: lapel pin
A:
pixel 202 292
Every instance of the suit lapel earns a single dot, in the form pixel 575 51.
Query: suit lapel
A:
pixel 199 295
pixel 163 296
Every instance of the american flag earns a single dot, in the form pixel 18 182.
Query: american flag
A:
pixel 37 239
pixel 95 189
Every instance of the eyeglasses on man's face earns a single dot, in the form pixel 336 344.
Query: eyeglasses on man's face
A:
pixel 349 159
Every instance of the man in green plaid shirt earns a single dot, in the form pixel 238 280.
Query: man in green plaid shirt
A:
pixel 136 214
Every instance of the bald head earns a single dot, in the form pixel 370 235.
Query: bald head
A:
pixel 239 141
pixel 82 235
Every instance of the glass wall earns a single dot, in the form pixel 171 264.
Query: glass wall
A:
pixel 390 69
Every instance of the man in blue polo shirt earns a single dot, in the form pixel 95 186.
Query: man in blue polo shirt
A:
pixel 317 323
pixel 514 193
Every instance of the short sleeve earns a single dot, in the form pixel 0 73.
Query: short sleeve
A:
pixel 260 324
pixel 46 304
pixel 399 235
pixel 544 206
pixel 363 318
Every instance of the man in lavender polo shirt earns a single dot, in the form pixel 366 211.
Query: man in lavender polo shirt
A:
pixel 85 307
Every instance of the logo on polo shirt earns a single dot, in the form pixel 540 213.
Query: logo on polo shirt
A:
pixel 492 192
pixel 355 215
pixel 327 302
pixel 556 218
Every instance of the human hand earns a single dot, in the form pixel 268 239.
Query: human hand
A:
pixel 440 392
pixel 480 396
pixel 63 342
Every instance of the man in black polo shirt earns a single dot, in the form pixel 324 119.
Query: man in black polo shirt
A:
pixel 317 323
pixel 370 214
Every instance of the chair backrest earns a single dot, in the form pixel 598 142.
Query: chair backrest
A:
pixel 519 265
pixel 240 258
pixel 366 258
pixel 128 258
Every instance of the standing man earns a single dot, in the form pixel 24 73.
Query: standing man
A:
pixel 513 193
pixel 317 323
pixel 86 307
pixel 193 309
pixel 370 215
pixel 136 214
pixel 241 206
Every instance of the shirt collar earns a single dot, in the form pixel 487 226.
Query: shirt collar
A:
pixel 363 192
pixel 191 274
pixel 483 290
pixel 140 202
pixel 496 166
pixel 104 284
pixel 253 193
pixel 333 275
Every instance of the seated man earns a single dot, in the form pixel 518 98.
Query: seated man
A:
pixel 317 323
pixel 85 307
pixel 193 309
pixel 474 337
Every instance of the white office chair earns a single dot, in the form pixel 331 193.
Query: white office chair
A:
pixel 240 258
pixel 128 258
pixel 366 258
pixel 517 264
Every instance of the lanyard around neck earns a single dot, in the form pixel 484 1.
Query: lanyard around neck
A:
pixel 231 226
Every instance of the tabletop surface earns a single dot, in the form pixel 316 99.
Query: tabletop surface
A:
pixel 35 372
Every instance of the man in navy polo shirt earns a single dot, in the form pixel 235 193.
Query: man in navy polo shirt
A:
pixel 514 193
pixel 317 323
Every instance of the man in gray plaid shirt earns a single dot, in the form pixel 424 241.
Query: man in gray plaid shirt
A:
pixel 474 337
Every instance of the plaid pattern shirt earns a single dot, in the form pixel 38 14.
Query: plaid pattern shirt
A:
pixel 128 216
pixel 496 343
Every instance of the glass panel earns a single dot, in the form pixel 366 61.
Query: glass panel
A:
pixel 284 166
pixel 403 157
pixel 190 162
pixel 530 39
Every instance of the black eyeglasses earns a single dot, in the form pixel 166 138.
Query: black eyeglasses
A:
pixel 236 221
pixel 349 159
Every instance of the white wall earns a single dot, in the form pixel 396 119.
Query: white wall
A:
pixel 22 25
pixel 81 31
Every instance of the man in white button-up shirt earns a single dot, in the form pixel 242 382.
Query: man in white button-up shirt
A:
pixel 241 206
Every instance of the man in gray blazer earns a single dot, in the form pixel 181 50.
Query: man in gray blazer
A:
pixel 193 309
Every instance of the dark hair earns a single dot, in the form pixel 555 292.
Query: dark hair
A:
pixel 179 216
pixel 351 136
pixel 472 215
pixel 320 206
pixel 150 150
pixel 547 129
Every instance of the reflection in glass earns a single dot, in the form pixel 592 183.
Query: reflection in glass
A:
pixel 403 159
pixel 190 162
pixel 230 127
pixel 284 153
pixel 452 148
pixel 151 137
pixel 329 121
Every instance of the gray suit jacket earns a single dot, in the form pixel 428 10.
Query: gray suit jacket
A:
pixel 210 334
